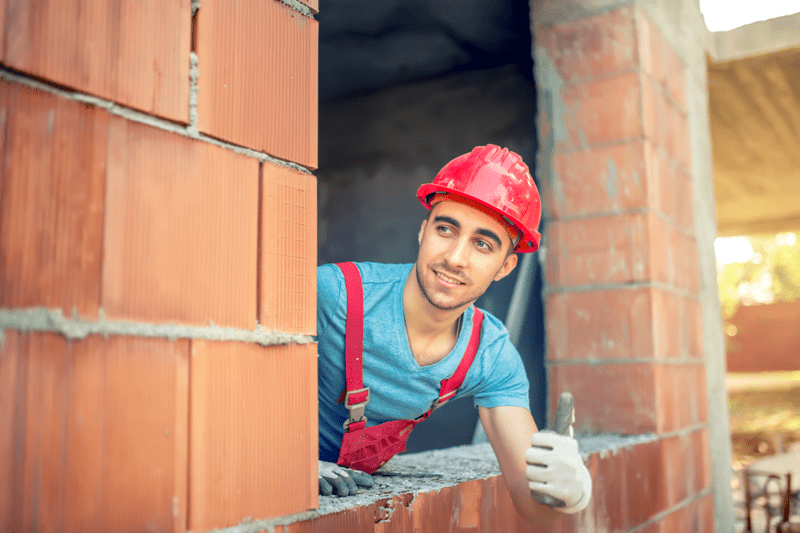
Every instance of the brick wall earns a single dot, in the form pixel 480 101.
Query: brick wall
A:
pixel 157 263
pixel 157 254
pixel 623 312
pixel 766 338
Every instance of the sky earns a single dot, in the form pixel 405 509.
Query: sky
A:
pixel 732 250
pixel 722 15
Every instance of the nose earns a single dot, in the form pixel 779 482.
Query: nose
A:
pixel 458 252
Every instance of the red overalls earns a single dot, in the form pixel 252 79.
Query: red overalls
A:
pixel 368 448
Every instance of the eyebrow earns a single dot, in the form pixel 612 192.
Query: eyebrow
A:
pixel 485 232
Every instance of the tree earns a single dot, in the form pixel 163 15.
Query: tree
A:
pixel 770 273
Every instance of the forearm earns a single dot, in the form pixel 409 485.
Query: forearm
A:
pixel 527 507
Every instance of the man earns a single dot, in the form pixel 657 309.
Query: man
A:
pixel 422 341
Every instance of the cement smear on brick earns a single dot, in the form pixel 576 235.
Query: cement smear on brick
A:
pixel 53 321
pixel 194 73
pixel 299 7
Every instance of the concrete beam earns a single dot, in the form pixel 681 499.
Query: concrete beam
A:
pixel 758 38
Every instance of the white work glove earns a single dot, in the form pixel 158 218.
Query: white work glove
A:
pixel 555 468
pixel 340 480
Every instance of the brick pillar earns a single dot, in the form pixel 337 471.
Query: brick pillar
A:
pixel 157 264
pixel 624 312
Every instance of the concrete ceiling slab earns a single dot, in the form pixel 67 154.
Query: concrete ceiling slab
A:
pixel 754 105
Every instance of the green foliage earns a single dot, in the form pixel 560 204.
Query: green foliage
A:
pixel 772 273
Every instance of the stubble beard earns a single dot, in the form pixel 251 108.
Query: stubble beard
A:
pixel 426 292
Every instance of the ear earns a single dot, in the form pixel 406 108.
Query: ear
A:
pixel 422 230
pixel 508 265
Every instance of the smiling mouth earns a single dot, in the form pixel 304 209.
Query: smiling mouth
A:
pixel 447 279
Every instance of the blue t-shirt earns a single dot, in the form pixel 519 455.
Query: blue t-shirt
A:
pixel 399 387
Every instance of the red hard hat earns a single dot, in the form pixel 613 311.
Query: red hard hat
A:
pixel 498 179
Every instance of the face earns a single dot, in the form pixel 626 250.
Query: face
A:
pixel 461 251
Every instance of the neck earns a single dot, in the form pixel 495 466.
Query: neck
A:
pixel 423 320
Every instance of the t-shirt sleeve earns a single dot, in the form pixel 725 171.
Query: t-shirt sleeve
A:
pixel 330 288
pixel 505 382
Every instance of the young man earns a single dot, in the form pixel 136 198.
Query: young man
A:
pixel 396 341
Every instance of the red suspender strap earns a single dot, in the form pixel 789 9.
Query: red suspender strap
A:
pixel 450 385
pixel 357 396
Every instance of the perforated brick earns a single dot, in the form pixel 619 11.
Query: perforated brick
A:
pixel 51 208
pixel 181 228
pixel 258 81
pixel 135 53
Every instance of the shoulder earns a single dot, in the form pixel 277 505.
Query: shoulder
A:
pixel 330 281
pixel 331 275
pixel 493 330
pixel 496 352
pixel 499 377
pixel 372 273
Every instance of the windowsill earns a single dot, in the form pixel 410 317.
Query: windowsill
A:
pixel 434 470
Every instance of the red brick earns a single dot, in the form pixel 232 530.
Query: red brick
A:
pixel 470 497
pixel 660 61
pixel 662 194
pixel 313 5
pixel 615 398
pixel 702 460
pixel 685 466
pixel 677 326
pixel 680 391
pixel 592 325
pixel 43 427
pixel 253 440
pixel 429 510
pixel 258 82
pixel 664 125
pixel 697 516
pixel 592 251
pixel 669 188
pixel 10 473
pixel 288 250
pixel 181 230
pixel 51 209
pixel 646 482
pixel 693 317
pixel 673 255
pixel 144 449
pixel 651 48
pixel 703 519
pixel 602 111
pixel 356 520
pixel 486 502
pixel 687 261
pixel 135 53
pixel 599 180
pixel 3 31
pixel 609 508
pixel 591 47
pixel 662 254
pixel 90 462
pixel 630 486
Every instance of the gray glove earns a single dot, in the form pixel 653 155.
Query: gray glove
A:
pixel 340 480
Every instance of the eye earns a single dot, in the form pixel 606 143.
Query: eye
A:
pixel 444 230
pixel 484 246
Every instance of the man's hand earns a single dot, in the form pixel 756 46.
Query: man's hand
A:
pixel 341 481
pixel 555 468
